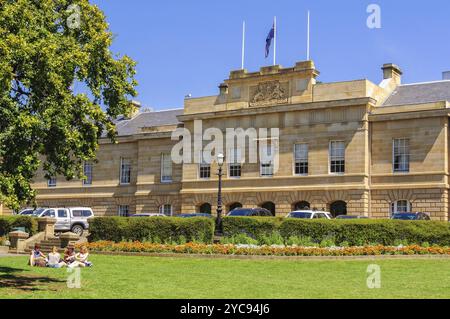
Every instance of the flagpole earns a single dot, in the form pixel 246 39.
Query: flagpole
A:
pixel 308 39
pixel 243 45
pixel 274 40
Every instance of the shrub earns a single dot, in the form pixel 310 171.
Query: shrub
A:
pixel 8 223
pixel 239 239
pixel 300 241
pixel 254 227
pixel 271 239
pixel 153 229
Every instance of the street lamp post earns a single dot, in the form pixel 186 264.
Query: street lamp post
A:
pixel 220 161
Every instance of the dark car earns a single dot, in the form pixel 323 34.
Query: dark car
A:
pixel 250 212
pixel 411 216
pixel 351 217
pixel 194 215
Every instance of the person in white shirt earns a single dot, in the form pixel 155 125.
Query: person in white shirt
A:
pixel 81 259
pixel 54 259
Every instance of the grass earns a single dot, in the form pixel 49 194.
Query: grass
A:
pixel 151 277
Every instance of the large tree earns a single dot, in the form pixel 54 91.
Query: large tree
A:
pixel 60 90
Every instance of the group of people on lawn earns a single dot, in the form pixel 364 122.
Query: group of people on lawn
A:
pixel 54 260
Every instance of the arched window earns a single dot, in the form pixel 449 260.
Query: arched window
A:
pixel 270 207
pixel 166 209
pixel 205 208
pixel 338 208
pixel 400 206
pixel 303 205
pixel 234 206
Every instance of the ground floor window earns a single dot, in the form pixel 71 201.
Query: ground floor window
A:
pixel 205 208
pixel 270 207
pixel 166 209
pixel 400 206
pixel 338 208
pixel 124 210
pixel 303 205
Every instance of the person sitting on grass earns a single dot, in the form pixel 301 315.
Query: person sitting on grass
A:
pixel 37 258
pixel 81 259
pixel 69 257
pixel 54 259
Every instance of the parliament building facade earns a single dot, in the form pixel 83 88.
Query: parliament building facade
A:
pixel 350 147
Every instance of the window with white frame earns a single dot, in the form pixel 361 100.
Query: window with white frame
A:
pixel 204 168
pixel 400 206
pixel 337 157
pixel 266 160
pixel 401 155
pixel 235 166
pixel 166 209
pixel 124 210
pixel 87 171
pixel 166 168
pixel 301 159
pixel 125 171
pixel 51 182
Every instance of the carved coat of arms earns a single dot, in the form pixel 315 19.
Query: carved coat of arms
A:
pixel 269 93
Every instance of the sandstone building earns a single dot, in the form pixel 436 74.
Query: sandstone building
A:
pixel 351 147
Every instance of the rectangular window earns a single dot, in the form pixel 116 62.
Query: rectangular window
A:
pixel 401 155
pixel 266 155
pixel 337 157
pixel 51 182
pixel 125 171
pixel 301 159
pixel 204 169
pixel 87 171
pixel 166 209
pixel 235 166
pixel 124 210
pixel 166 168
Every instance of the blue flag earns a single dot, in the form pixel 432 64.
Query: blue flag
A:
pixel 269 39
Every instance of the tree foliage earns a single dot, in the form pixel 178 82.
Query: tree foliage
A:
pixel 60 89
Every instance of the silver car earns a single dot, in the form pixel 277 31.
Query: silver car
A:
pixel 74 219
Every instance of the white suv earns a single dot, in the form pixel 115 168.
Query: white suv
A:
pixel 309 214
pixel 74 219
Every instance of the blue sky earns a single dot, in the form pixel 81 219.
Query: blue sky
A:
pixel 187 47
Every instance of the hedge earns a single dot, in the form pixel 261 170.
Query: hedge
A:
pixel 254 227
pixel 352 232
pixel 8 223
pixel 153 229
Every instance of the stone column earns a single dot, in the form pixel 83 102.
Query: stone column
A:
pixel 47 225
pixel 17 239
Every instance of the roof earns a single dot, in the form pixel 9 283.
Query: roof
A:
pixel 419 93
pixel 147 119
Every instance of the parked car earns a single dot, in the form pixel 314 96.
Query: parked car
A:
pixel 411 216
pixel 250 212
pixel 351 217
pixel 74 219
pixel 149 215
pixel 309 214
pixel 194 215
pixel 26 212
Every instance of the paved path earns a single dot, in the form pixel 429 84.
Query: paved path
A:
pixel 11 255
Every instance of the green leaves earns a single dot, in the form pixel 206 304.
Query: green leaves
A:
pixel 54 80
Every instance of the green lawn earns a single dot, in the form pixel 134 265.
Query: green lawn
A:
pixel 149 277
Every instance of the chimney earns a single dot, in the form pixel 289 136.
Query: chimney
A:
pixel 392 71
pixel 446 75
pixel 136 106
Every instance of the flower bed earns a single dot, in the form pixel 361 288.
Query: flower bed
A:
pixel 249 250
